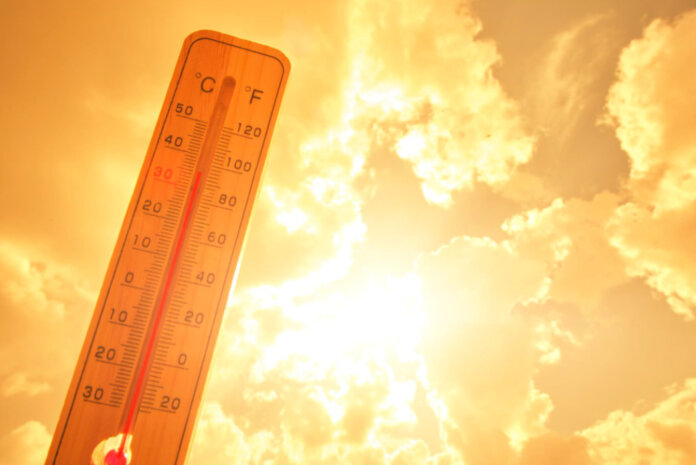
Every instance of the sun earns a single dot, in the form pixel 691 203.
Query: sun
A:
pixel 339 330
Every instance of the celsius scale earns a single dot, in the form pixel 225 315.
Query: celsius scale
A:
pixel 138 384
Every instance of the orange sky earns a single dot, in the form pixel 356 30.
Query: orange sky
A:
pixel 473 244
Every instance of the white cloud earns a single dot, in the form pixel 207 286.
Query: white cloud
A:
pixel 570 237
pixel 18 383
pixel 25 445
pixel 651 105
pixel 664 435
pixel 424 81
pixel 42 307
pixel 652 108
pixel 560 93
pixel 218 439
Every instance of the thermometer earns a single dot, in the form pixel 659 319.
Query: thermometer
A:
pixel 137 387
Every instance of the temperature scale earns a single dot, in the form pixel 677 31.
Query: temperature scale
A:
pixel 136 390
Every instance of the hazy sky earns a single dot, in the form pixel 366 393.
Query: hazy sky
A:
pixel 473 244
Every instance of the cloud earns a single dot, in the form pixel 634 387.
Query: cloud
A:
pixel 17 383
pixel 218 439
pixel 570 237
pixel 412 453
pixel 657 246
pixel 431 100
pixel 679 438
pixel 650 105
pixel 664 435
pixel 25 445
pixel 497 311
pixel 44 313
pixel 651 108
pixel 424 83
pixel 40 303
pixel 561 95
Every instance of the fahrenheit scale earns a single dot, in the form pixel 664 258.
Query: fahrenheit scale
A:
pixel 138 383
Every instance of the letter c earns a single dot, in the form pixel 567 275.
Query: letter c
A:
pixel 203 86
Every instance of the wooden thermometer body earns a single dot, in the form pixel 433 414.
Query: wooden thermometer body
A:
pixel 137 387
